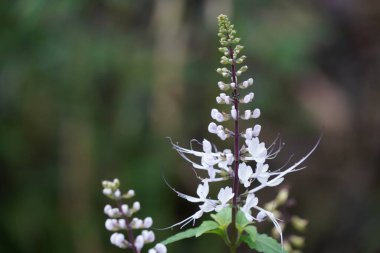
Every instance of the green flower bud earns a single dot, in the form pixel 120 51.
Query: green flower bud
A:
pixel 282 196
pixel 297 241
pixel 288 247
pixel 223 49
pixel 236 40
pixel 243 69
pixel 299 223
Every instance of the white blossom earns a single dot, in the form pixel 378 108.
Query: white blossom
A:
pixel 136 206
pixel 233 113
pixel 148 222
pixel 250 202
pixel 130 194
pixel 257 150
pixel 139 242
pixel 148 236
pixel 118 239
pixel 160 248
pixel 208 158
pixel 261 173
pixel 256 130
pixel 256 113
pixel 125 209
pixel 245 173
pixel 226 160
pixel 218 116
pixel 224 195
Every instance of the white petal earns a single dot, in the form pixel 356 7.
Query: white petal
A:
pixel 256 130
pixel 161 248
pixel 212 127
pixel 256 113
pixel 225 194
pixel 206 146
pixel 261 216
pixel 203 190
pixel 245 173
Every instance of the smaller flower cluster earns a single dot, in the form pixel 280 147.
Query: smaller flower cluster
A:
pixel 279 206
pixel 120 218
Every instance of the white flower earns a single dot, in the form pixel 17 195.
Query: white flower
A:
pixel 245 173
pixel 118 239
pixel 224 195
pixel 203 190
pixel 218 116
pixel 136 206
pixel 257 150
pixel 256 113
pixel 264 213
pixel 208 158
pixel 148 236
pixel 250 202
pixel 247 114
pixel 261 216
pixel 139 242
pixel 262 173
pixel 248 133
pixel 148 222
pixel 160 248
pixel 107 209
pixel 137 223
pixel 222 135
pixel 226 160
pixel 125 208
pixel 130 194
pixel 207 148
pixel 207 206
pixel 111 225
pixel 212 128
pixel 248 98
pixel 256 130
pixel 107 191
pixel 279 176
pixel 233 113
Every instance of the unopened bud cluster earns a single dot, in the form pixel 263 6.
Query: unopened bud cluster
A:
pixel 120 219
pixel 295 242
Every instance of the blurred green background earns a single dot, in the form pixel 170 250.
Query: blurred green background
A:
pixel 89 89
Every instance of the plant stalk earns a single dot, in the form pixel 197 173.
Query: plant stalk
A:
pixel 235 185
pixel 131 238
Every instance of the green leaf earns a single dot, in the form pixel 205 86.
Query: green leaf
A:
pixel 180 236
pixel 252 232
pixel 206 226
pixel 261 242
pixel 250 236
pixel 241 221
pixel 223 217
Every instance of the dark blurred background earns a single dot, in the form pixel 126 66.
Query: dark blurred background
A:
pixel 89 89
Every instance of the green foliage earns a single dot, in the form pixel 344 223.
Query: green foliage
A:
pixel 241 221
pixel 247 233
pixel 223 218
pixel 261 242
pixel 205 227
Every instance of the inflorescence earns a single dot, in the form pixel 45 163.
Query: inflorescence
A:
pixel 120 218
pixel 245 165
